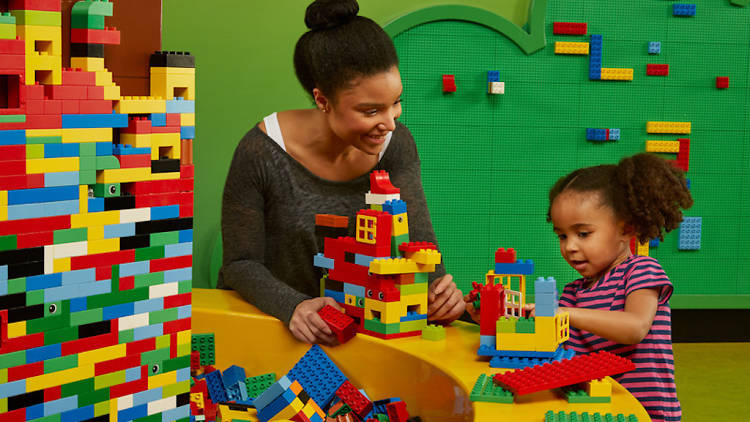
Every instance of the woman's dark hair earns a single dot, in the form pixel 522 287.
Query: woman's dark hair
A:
pixel 339 47
pixel 645 191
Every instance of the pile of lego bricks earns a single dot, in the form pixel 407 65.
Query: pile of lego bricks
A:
pixel 315 389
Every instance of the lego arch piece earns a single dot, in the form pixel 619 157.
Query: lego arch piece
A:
pixel 529 42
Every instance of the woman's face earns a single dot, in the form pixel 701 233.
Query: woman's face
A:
pixel 363 114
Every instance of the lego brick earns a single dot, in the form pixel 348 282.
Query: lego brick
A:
pixel 690 234
pixel 653 69
pixel 84 50
pixel 485 390
pixel 49 5
pixel 683 9
pixel 37 17
pixel 342 325
pixel 563 416
pixel 569 28
pixel 172 59
pixel 562 47
pixel 663 146
pixel 614 74
pixel 668 127
pixel 180 106
pixel 109 36
pixel 519 267
pixel 722 82
pixel 94 121
pixel 433 332
pixel 449 83
pixel 654 47
pixel 318 375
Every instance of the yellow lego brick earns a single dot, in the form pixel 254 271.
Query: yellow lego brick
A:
pixel 95 232
pixel 127 175
pixel 398 266
pixel 350 300
pixel 165 145
pixel 103 134
pixel 386 312
pixel 613 74
pixel 91 357
pixel 515 341
pixel 415 302
pixel 160 380
pixel 16 329
pixel 101 408
pixel 141 105
pixel 426 256
pixel 171 85
pixel 162 342
pixel 172 70
pixel 52 74
pixel 50 165
pixel 562 47
pixel 103 78
pixel 35 133
pixel 136 140
pixel 94 219
pixel 4 401
pixel 104 245
pixel 546 334
pixel 61 265
pixel 663 146
pixel 668 127
pixel 113 410
pixel 642 249
pixel 4 198
pixel 400 224
pixel 183 349
pixel 3 377
pixel 3 213
pixel 366 229
pixel 83 199
pixel 52 379
pixel 197 398
pixel 187 119
pixel 41 39
pixel 165 176
pixel 112 92
pixel 90 64
pixel 599 388
pixel 184 337
pixel 290 410
pixel 110 379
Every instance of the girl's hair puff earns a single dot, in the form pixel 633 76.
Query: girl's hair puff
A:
pixel 645 191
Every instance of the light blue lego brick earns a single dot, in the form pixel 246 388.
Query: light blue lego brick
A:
pixel 183 374
pixel 186 235
pixel 148 331
pixel 176 414
pixel 690 234
pixel 118 311
pixel 276 406
pixel 96 288
pixel 337 296
pixel 158 119
pixel 77 415
pixel 63 178
pixel 179 274
pixel 104 148
pixel 96 204
pixel 148 305
pixel 119 230
pixel 40 195
pixel 354 290
pixel 178 249
pixel 519 267
pixel 3 273
pixel 488 341
pixel 44 281
pixel 43 209
pixel 42 353
pixel 654 47
pixel 493 76
pixel 59 406
pixel 55 294
pixel 548 285
pixel 135 268
pixel 180 106
pixel 134 412
pixel 184 312
pixel 133 374
pixel 162 213
pixel 363 260
pixel 614 134
pixel 3 287
pixel 395 207
pixel 319 260
pixel 85 121
pixel 87 275
pixel 124 149
pixel 546 309
pixel 147 396
pixel 14 388
pixel 12 137
pixel 78 304
pixel 187 132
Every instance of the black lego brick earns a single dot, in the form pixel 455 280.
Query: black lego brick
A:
pixel 25 400
pixel 15 300
pixel 119 203
pixel 94 329
pixel 172 59
pixel 135 242
pixel 26 269
pixel 20 256
pixel 167 225
pixel 165 165
pixel 25 313
pixel 86 50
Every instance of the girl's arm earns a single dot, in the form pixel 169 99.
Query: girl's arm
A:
pixel 627 327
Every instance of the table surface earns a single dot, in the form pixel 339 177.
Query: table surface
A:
pixel 439 375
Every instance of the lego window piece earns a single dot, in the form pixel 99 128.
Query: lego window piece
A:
pixel 366 227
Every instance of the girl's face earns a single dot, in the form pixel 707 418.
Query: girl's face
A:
pixel 363 114
pixel 592 239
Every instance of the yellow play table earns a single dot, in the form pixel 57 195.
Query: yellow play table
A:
pixel 433 378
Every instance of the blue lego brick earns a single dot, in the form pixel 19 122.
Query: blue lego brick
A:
pixel 317 375
pixel 42 209
pixel 84 121
pixel 493 76
pixel 216 387
pixel 236 392
pixel 596 134
pixel 179 274
pixel 43 281
pixel 688 183
pixel 337 296
pixel 683 9
pixel 184 312
pixel 523 362
pixel 519 267
pixel 38 195
pixel 487 341
pixel 233 375
pixel 545 285
pixel 654 47
pixel 186 235
pixel 64 178
pixel 319 260
pixel 12 137
pixel 124 149
pixel 162 213
pixel 83 413
pixel 690 234
pixel 61 150
pixel 614 134
pixel 272 392
pixel 413 316
pixel 118 311
pixel 112 231
pixel 148 305
pixel 147 396
pixel 135 268
pixel 103 148
pixel 133 413
pixel 96 204
pixel 180 106
pixel 491 350
pixel 653 243
pixel 35 412
pixel 42 353
pixel 132 374
pixel 148 331
pixel 178 249
pixel 277 405
pixel 395 207
pixel 354 290
pixel 363 260
pixel 187 132
pixel 176 414
pixel 158 119
pixel 78 304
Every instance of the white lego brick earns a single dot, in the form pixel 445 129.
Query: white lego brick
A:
pixel 380 198
pixel 49 265
pixel 163 290
pixel 162 405
pixel 132 321
pixel 135 215
pixel 125 402
pixel 67 250
pixel 497 88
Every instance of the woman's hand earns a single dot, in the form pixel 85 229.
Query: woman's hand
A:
pixel 529 310
pixel 474 313
pixel 444 301
pixel 307 326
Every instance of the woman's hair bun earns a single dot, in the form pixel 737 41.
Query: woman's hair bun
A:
pixel 324 14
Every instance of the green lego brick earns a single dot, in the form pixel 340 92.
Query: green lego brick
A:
pixel 152 356
pixel 60 364
pixel 12 118
pixel 416 325
pixel 150 279
pixel 576 395
pixel 70 235
pixel 360 302
pixel 12 359
pixel 322 285
pixel 525 325
pixel 50 418
pixel 54 309
pixel 60 335
pixel 382 417
pixel 506 324
pixel 107 190
pixel 32 140
pixel 125 336
pixel 117 297
pixel 34 151
pixel 34 297
pixel 17 285
pixel 421 278
pixel 486 390
pixel 158 317
pixel 86 21
pixel 412 289
pixel 147 254
pixel 108 380
pixel 7 18
pixel 153 418
pixel 396 241
pixel 37 17
pixel 562 416
pixel 77 387
pixel 379 327
pixel 185 287
pixel 87 177
pixel 179 362
pixel 87 149
pixel 204 343
pixel 175 389
pixel 92 7
pixel 86 317
pixel 433 332
pixel 102 407
pixel 107 162
pixel 87 163
pixel 164 238
pixel 8 243
pixel 7 31
pixel 259 383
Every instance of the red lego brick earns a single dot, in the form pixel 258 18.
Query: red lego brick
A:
pixel 131 387
pixel 18 415
pixel 342 325
pixel 165 129
pixel 12 47
pixel 138 124
pixel 12 153
pixel 152 187
pixel 569 28
pixel 79 77
pixel 173 119
pixel 176 326
pixel 722 82
pixel 13 168
pixel 25 371
pixel 490 309
pixel 330 220
pixel 54 106
pixel 195 361
pixel 164 264
pixel 21 182
pixel 186 211
pixel 32 225
pixel 12 63
pixel 47 5
pixel 187 171
pixel 140 346
pixel 65 92
pixel 657 69
pixel 173 346
pixel 186 198
pixel 360 404
pixel 109 36
pixel 186 185
pixel 35 121
pixel 98 260
pixel 380 183
pixel 33 240
pixel 157 200
pixel 397 411
pixel 449 83
pixel 52 393
pixel 411 247
pixel 178 300
pixel 579 369
pixel 126 283
pixel 34 92
pixel 20 343
pixel 35 106
pixel 503 256
pixel 90 343
pixel 104 273
pixel 96 106
pixel 119 364
pixel 70 106
pixel 95 92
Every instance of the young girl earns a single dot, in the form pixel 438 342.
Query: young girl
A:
pixel 621 302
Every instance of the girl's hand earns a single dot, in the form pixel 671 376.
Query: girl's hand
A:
pixel 474 313
pixel 307 326
pixel 529 310
pixel 444 301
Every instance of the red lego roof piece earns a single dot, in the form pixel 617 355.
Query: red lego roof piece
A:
pixel 380 182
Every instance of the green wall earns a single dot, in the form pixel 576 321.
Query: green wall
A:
pixel 243 52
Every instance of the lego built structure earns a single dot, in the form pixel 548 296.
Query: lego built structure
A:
pixel 96 210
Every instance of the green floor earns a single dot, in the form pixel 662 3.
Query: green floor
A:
pixel 712 380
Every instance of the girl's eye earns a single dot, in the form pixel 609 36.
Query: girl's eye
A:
pixel 561 236
pixel 583 234
pixel 371 112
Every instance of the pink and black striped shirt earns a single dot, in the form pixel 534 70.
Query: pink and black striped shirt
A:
pixel 652 383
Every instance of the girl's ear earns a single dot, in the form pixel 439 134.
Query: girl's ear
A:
pixel 628 230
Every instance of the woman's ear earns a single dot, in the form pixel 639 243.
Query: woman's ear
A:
pixel 321 101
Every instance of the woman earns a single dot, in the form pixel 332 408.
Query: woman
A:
pixel 299 163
